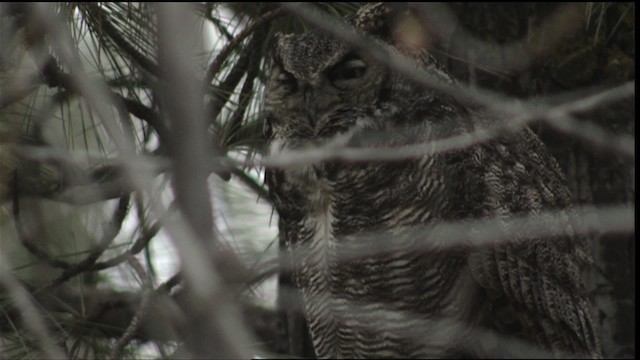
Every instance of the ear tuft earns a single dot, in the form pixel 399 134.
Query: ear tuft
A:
pixel 396 24
pixel 375 19
pixel 272 47
pixel 276 47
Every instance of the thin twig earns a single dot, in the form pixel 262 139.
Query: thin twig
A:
pixel 481 232
pixel 30 314
pixel 199 272
pixel 335 148
pixel 148 115
pixel 615 27
pixel 216 65
pixel 141 312
pixel 111 230
pixel 251 183
pixel 139 245
pixel 244 97
pixel 94 11
pixel 437 329
pixel 26 240
pixel 225 89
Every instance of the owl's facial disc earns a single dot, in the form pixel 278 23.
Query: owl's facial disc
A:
pixel 347 73
pixel 307 55
pixel 319 78
pixel 287 82
pixel 345 76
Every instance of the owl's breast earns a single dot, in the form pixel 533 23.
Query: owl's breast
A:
pixel 360 261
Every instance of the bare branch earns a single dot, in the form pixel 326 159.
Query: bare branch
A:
pixel 480 232
pixel 335 149
pixel 431 329
pixel 139 245
pixel 184 104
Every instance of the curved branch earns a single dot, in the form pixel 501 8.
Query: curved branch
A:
pixel 139 245
pixel 112 229
pixel 26 240
pixel 140 313
pixel 148 115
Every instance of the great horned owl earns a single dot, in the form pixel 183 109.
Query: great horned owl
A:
pixel 418 295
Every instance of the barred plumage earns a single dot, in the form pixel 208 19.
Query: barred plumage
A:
pixel 375 278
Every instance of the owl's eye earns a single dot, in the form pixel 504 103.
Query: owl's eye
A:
pixel 284 77
pixel 287 81
pixel 347 71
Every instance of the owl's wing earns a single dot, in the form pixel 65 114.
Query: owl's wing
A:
pixel 534 284
pixel 292 332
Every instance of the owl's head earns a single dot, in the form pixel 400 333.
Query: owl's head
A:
pixel 319 86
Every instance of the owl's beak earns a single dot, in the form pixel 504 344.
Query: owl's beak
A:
pixel 309 106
